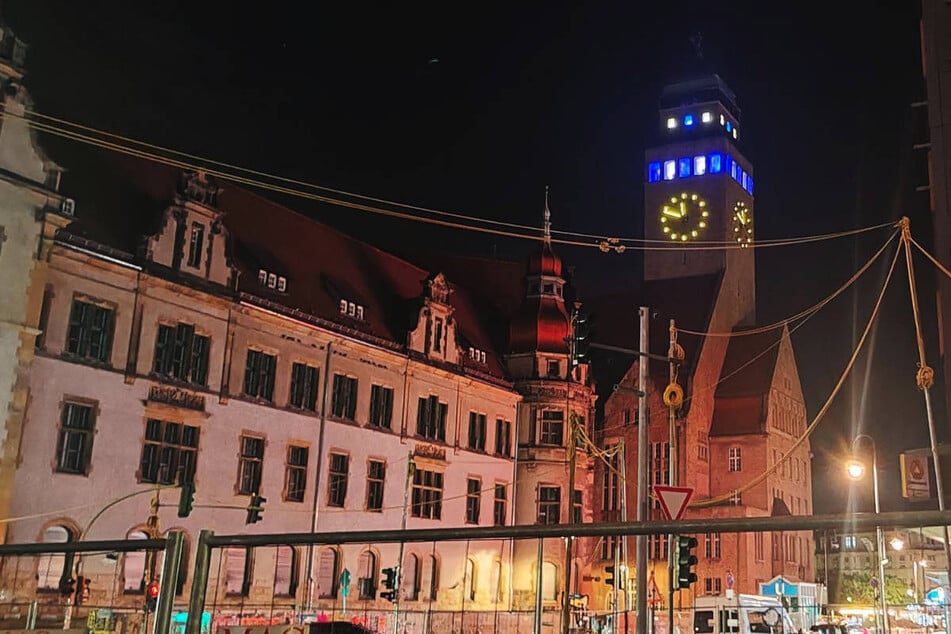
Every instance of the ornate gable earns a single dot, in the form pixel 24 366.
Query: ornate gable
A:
pixel 192 239
pixel 435 332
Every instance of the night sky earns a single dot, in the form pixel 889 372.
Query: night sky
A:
pixel 474 109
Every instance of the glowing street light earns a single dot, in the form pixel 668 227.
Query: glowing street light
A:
pixel 897 543
pixel 855 469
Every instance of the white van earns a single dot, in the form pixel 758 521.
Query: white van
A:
pixel 741 614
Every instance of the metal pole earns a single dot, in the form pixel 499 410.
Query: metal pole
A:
pixel 672 471
pixel 538 585
pixel 624 518
pixel 880 537
pixel 196 601
pixel 399 562
pixel 643 453
pixel 174 544
pixel 572 454
pixel 925 378
pixel 315 508
pixel 616 604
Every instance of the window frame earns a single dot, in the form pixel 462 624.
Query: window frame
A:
pixel 184 470
pixel 427 497
pixel 431 415
pixel 344 395
pixel 81 329
pixel 196 243
pixel 478 428
pixel 381 407
pixel 250 465
pixel 548 509
pixel 735 459
pixel 304 385
pixel 337 479
pixel 503 437
pixel 260 369
pixel 295 472
pixel 551 430
pixel 376 485
pixel 65 434
pixel 181 353
pixel 500 505
pixel 473 500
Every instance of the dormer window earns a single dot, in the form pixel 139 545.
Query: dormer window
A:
pixel 351 309
pixel 437 345
pixel 548 289
pixel 554 368
pixel 477 355
pixel 272 281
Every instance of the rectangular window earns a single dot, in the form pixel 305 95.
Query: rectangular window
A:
pixel 700 165
pixel 735 462
pixel 716 163
pixel 758 551
pixel 381 406
pixel 437 338
pixel 653 172
pixel 195 242
pixel 473 500
pixel 343 401
pixel 339 472
pixel 250 465
pixel 74 447
pixel 304 380
pixel 169 453
pixel 376 477
pixel 427 494
pixel 711 545
pixel 552 428
pixel 259 375
pixel 431 418
pixel 296 474
pixel 712 585
pixel 503 437
pixel 554 368
pixel 181 354
pixel 500 510
pixel 683 167
pixel 90 331
pixel 627 417
pixel 670 170
pixel 549 505
pixel 577 507
pixel 477 430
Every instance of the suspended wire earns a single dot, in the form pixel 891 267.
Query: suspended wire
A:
pixel 933 259
pixel 636 244
pixel 808 311
pixel 713 501
pixel 661 415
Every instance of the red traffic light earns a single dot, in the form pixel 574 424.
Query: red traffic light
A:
pixel 152 591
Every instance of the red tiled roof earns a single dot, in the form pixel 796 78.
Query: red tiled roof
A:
pixel 738 416
pixel 750 364
pixel 321 264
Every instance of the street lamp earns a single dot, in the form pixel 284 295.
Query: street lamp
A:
pixel 855 468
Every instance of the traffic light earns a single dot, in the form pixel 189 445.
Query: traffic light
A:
pixel 82 590
pixel 186 499
pixel 684 561
pixel 67 585
pixel 151 596
pixel 255 509
pixel 609 576
pixel 391 581
pixel 580 338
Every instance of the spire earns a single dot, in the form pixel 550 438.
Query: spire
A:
pixel 547 229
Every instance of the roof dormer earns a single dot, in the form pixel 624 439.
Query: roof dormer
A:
pixel 192 240
pixel 435 332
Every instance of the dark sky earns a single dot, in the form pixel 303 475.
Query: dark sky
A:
pixel 475 108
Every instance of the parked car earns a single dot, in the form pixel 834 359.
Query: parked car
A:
pixel 338 627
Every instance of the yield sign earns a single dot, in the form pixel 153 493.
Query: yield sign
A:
pixel 673 500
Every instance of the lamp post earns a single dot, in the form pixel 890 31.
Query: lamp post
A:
pixel 856 470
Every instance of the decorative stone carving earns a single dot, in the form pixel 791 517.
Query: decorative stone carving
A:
pixel 198 187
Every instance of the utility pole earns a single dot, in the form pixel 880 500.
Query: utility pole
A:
pixel 572 421
pixel 672 474
pixel 410 468
pixel 643 453
pixel 627 578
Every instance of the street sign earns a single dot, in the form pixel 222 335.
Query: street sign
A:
pixel 673 500
pixel 915 474
pixel 730 579
pixel 345 582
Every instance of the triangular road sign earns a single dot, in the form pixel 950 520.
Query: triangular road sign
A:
pixel 673 500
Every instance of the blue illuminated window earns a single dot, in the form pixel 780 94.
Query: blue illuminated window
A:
pixel 729 126
pixel 683 168
pixel 727 164
pixel 749 183
pixel 688 120
pixel 670 170
pixel 733 168
pixel 745 182
pixel 716 163
pixel 653 172
pixel 700 165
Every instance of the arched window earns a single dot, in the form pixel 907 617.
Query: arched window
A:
pixel 472 581
pixel 327 574
pixel 285 571
pixel 549 582
pixel 429 580
pixel 54 566
pixel 238 562
pixel 495 582
pixel 410 580
pixel 133 567
pixel 366 575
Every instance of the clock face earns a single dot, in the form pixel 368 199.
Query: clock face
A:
pixel 684 217
pixel 742 224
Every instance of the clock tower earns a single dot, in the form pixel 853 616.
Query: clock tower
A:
pixel 698 194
